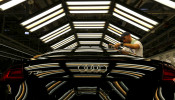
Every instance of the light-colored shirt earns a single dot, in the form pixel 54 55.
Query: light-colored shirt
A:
pixel 138 52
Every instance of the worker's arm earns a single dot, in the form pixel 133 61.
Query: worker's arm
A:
pixel 127 53
pixel 132 46
pixel 123 51
pixel 115 45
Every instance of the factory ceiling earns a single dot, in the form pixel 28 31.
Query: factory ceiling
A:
pixel 37 26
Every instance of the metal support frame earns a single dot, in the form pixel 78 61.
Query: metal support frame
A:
pixel 156 28
pixel 69 19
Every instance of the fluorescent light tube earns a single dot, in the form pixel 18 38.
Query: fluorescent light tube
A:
pixel 123 31
pixel 87 7
pixel 112 40
pixel 63 42
pixel 89 42
pixel 168 3
pixel 88 27
pixel 133 18
pixel 54 31
pixel 114 32
pixel 117 28
pixel 136 14
pixel 44 19
pixel 10 4
pixel 41 15
pixel 57 36
pixel 131 22
pixel 46 23
pixel 89 22
pixel 88 2
pixel 90 11
pixel 71 46
pixel 135 37
pixel 89 35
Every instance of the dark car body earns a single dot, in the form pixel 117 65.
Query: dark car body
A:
pixel 80 75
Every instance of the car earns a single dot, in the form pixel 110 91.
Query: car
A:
pixel 80 74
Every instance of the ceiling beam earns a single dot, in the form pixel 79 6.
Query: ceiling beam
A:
pixel 160 36
pixel 157 27
pixel 70 21
pixel 150 49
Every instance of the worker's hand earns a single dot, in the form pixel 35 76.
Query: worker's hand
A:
pixel 111 46
pixel 116 45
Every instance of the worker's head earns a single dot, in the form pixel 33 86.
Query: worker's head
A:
pixel 126 37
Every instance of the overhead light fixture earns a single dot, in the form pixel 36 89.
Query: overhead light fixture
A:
pixel 111 28
pixel 118 31
pixel 89 24
pixel 47 22
pixel 89 42
pixel 59 34
pixel 134 18
pixel 72 46
pixel 88 27
pixel 111 40
pixel 44 18
pixel 63 42
pixel 56 33
pixel 135 37
pixel 136 14
pixel 131 22
pixel 114 32
pixel 87 7
pixel 90 11
pixel 89 35
pixel 88 2
pixel 41 15
pixel 77 25
pixel 168 3
pixel 10 4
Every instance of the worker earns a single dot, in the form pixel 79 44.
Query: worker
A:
pixel 130 44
